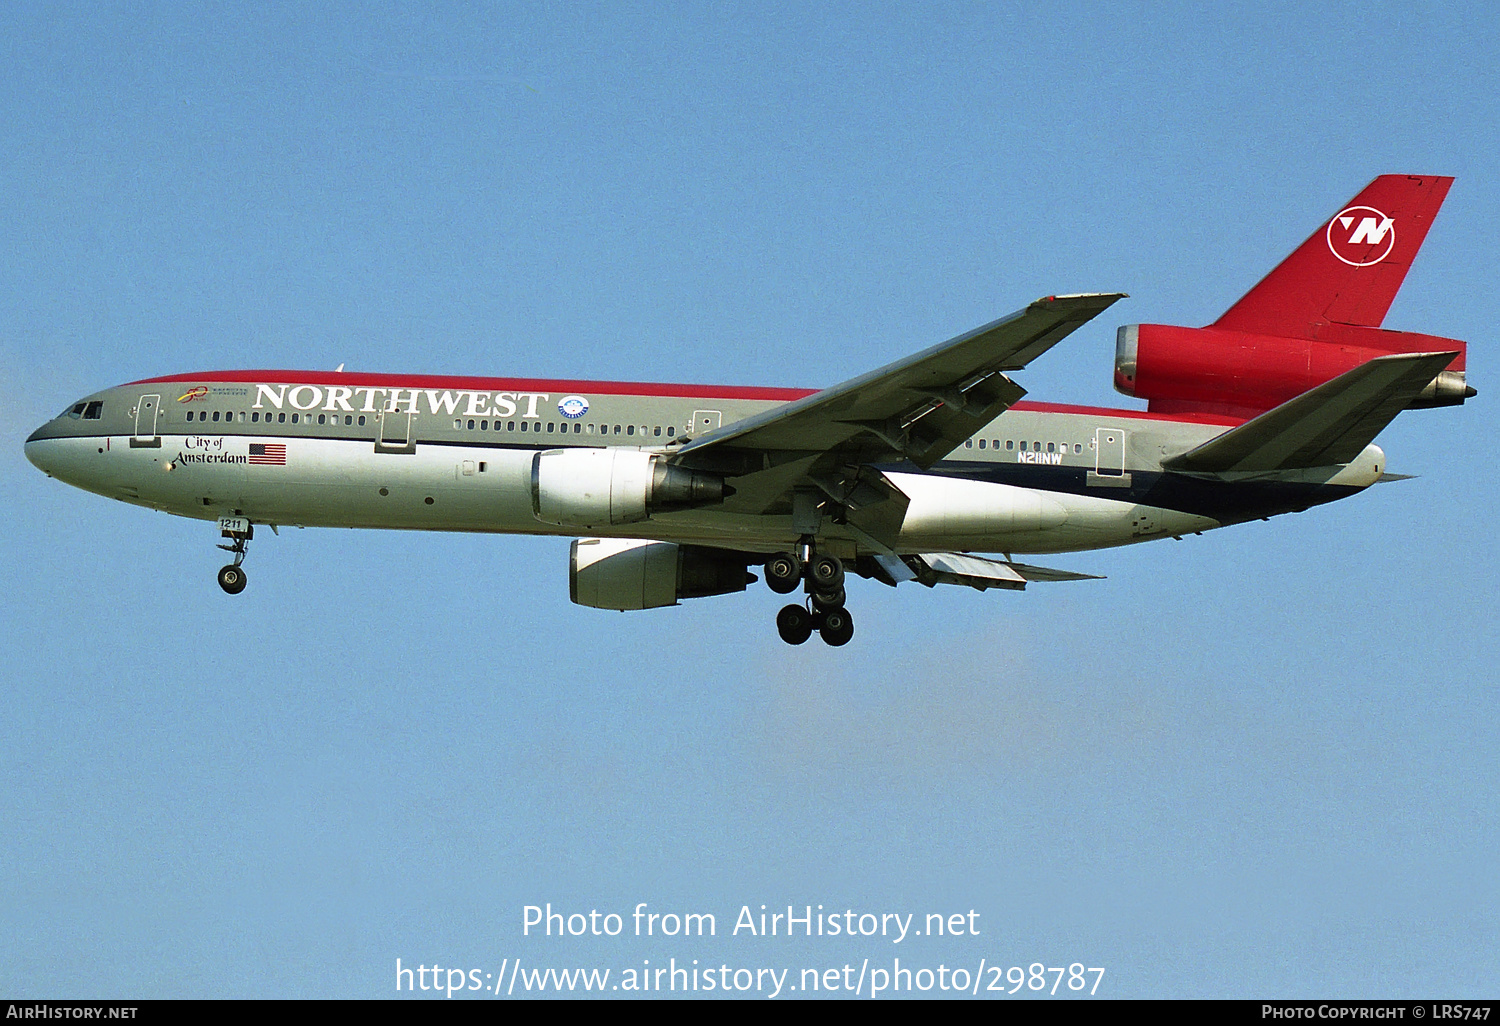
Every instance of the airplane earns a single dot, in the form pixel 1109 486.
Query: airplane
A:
pixel 924 470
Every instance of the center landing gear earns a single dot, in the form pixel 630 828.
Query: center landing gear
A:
pixel 232 577
pixel 823 610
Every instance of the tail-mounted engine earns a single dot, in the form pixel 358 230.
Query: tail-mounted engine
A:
pixel 627 573
pixel 590 488
pixel 1182 370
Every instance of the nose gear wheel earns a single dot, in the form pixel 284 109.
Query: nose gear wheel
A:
pixel 232 577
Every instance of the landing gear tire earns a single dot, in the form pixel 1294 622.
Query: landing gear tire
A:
pixel 783 573
pixel 794 624
pixel 822 603
pixel 825 574
pixel 837 627
pixel 232 579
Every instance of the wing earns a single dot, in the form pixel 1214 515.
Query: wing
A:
pixel 916 409
pixel 1324 426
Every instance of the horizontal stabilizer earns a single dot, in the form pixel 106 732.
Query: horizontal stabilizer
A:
pixel 1324 427
pixel 934 568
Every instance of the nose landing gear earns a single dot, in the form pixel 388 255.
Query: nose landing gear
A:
pixel 239 531
pixel 823 610
pixel 232 579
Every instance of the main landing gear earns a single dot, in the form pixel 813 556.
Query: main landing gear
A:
pixel 823 610
pixel 232 577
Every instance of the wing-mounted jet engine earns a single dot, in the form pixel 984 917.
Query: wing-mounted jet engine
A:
pixel 635 573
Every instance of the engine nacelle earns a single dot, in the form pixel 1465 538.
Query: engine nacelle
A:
pixel 603 487
pixel 627 573
pixel 1239 373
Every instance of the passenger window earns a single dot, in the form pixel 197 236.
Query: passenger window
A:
pixel 294 418
pixel 1077 448
pixel 968 443
pixel 981 443
pixel 591 429
pixel 577 429
pixel 458 425
pixel 482 464
pixel 523 425
pixel 471 425
pixel 484 425
pixel 1051 446
pixel 1023 446
pixel 216 416
pixel 630 430
pixel 670 430
pixel 281 418
pixel 510 425
pixel 348 420
pixel 549 427
pixel 361 421
pixel 1036 446
pixel 242 416
pixel 254 418
pixel 657 432
pixel 1010 443
pixel 322 418
pixel 617 429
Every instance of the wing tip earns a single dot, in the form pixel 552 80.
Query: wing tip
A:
pixel 1111 296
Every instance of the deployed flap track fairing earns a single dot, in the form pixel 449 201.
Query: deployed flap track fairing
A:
pixel 909 473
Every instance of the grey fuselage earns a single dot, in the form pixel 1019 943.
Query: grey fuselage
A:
pixel 316 449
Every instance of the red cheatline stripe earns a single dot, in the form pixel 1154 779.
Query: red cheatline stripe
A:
pixel 358 380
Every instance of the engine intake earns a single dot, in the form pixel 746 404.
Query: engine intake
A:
pixel 628 573
pixel 591 488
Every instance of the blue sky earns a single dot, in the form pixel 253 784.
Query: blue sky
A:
pixel 1260 762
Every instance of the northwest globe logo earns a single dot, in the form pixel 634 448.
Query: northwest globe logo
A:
pixel 573 406
pixel 1361 236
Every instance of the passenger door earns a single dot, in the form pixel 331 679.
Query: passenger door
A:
pixel 147 409
pixel 1109 459
pixel 704 421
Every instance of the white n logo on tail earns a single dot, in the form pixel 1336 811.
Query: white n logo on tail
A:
pixel 1366 242
pixel 1370 230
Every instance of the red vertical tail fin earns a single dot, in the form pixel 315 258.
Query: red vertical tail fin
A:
pixel 1349 270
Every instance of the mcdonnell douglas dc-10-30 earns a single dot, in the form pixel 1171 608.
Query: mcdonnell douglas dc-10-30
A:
pixel 901 474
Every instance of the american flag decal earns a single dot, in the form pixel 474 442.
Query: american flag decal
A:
pixel 269 454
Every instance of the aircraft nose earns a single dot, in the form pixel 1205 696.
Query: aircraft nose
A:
pixel 37 449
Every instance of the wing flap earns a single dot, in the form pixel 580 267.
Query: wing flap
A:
pixel 934 568
pixel 1324 426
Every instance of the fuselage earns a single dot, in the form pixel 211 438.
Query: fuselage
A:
pixel 319 449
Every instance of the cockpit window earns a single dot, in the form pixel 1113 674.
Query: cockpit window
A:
pixel 75 411
pixel 92 411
